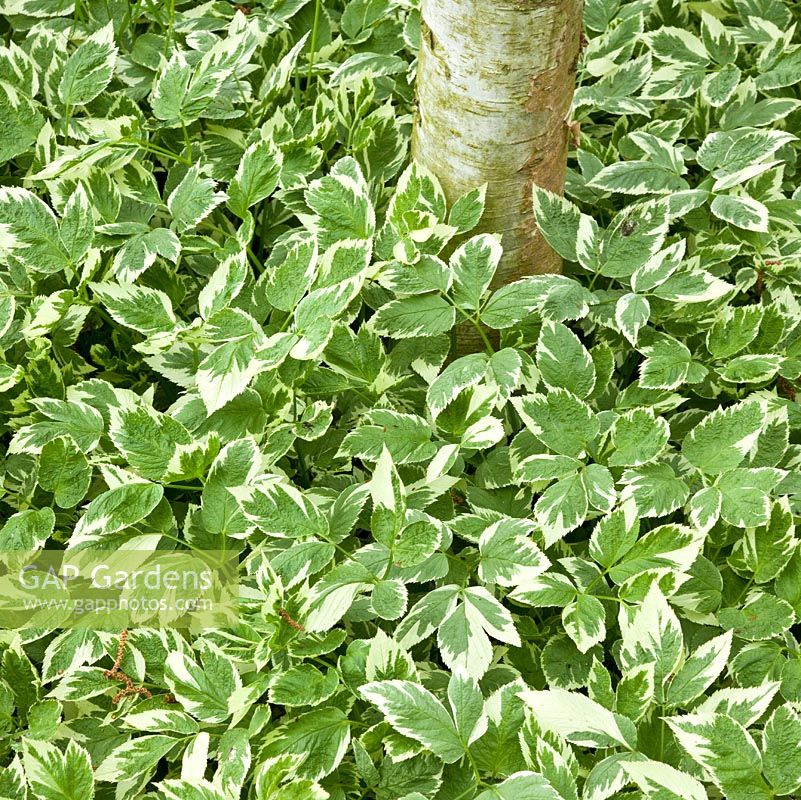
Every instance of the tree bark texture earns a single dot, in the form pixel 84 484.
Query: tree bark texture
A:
pixel 495 81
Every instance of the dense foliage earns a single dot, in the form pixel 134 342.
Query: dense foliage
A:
pixel 564 567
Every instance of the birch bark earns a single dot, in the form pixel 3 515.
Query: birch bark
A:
pixel 494 85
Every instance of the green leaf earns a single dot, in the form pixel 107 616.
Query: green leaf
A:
pixel 409 317
pixel 699 671
pixel 521 786
pixel 666 365
pixel 27 530
pixel 463 636
pixel 780 754
pixel 638 178
pixel 30 232
pixel 89 69
pixel 416 543
pixel 467 707
pixel 766 550
pixel 342 204
pixel 12 779
pixel 256 177
pixel 657 779
pixel 182 93
pixel 751 368
pixel 134 759
pixel 783 72
pixel 473 265
pixel 414 712
pixel 722 439
pixel 544 467
pixel 632 312
pixel 704 507
pixel 203 689
pixel 560 420
pixel 139 253
pixel 762 617
pixel 563 360
pixel 293 276
pixel 719 87
pixel 468 209
pixel 192 200
pixel 635 691
pixel 584 619
pixel 734 329
pixel 389 599
pixel 508 556
pixel 303 685
pixel 279 509
pixel 157 446
pixel 64 471
pixel 235 360
pixel 146 310
pixel 196 789
pixel 224 285
pixel 43 719
pixel 571 234
pixel 115 510
pixel 77 225
pixel 332 596
pixel 406 436
pixel 56 775
pixel 654 488
pixel 615 535
pixel 580 720
pixel 658 268
pixel 718 40
pixel 158 720
pixel 562 507
pixel 456 377
pixel 725 750
pixel 600 486
pixel 427 615
pixel 639 437
pixel 635 235
pixel 378 64
pixel 20 122
pixel 741 211
pixel 677 45
pixel 234 763
pixel 671 546
pixel 389 501
pixel 744 495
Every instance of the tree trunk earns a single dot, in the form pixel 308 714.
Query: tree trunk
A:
pixel 495 80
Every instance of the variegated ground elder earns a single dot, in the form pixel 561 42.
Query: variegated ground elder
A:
pixel 563 567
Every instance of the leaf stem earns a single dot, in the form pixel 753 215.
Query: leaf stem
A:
pixel 312 48
pixel 168 37
pixel 473 320
pixel 187 142
pixel 484 338
pixel 303 470
pixel 149 147
pixel 67 116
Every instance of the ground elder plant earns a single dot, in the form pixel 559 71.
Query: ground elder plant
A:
pixel 562 567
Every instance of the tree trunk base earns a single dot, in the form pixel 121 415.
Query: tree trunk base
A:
pixel 495 83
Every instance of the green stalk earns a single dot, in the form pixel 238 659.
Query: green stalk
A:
pixel 168 37
pixel 149 147
pixel 187 141
pixel 312 47
pixel 67 115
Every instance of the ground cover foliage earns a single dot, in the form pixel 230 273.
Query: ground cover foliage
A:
pixel 564 567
